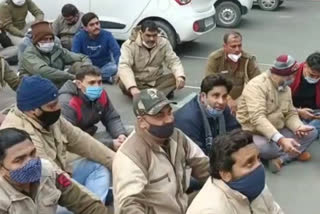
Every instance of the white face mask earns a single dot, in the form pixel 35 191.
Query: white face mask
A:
pixel 46 47
pixel 148 46
pixel 234 57
pixel 311 80
pixel 19 2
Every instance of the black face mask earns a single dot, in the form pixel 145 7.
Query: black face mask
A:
pixel 164 131
pixel 48 118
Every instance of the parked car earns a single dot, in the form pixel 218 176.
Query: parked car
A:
pixel 178 20
pixel 268 4
pixel 229 12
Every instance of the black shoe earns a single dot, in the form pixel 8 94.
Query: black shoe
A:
pixel 170 95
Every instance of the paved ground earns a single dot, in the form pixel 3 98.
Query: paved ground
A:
pixel 293 29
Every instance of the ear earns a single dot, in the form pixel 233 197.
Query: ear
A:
pixel 225 176
pixel 142 123
pixel 203 98
pixel 78 84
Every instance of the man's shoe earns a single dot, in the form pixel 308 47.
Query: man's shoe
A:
pixel 305 156
pixel 275 165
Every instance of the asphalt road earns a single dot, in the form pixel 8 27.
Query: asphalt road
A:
pixel 293 29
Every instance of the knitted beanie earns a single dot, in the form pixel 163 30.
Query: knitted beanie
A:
pixel 40 30
pixel 285 65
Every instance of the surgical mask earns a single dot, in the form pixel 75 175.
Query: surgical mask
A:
pixel 29 173
pixel 212 112
pixel 285 83
pixel 250 185
pixel 234 57
pixel 48 118
pixel 46 47
pixel 149 46
pixel 311 80
pixel 18 2
pixel 93 92
pixel 164 131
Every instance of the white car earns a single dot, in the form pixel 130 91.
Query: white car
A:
pixel 229 12
pixel 268 4
pixel 178 20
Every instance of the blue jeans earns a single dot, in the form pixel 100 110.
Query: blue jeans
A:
pixel 109 70
pixel 92 175
pixel 314 123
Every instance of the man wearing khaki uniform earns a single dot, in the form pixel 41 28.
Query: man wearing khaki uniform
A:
pixel 13 15
pixel 235 64
pixel 152 169
pixel 142 62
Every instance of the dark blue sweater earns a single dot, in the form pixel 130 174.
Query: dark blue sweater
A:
pixel 189 119
pixel 99 49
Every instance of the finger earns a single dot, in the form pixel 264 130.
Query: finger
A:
pixel 308 110
pixel 295 151
pixel 295 144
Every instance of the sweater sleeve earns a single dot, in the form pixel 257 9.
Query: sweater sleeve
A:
pixel 76 44
pixel 114 48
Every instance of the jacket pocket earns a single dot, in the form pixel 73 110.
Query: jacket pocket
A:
pixel 164 177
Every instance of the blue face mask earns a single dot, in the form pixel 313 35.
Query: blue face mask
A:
pixel 93 92
pixel 311 80
pixel 250 185
pixel 30 173
pixel 212 112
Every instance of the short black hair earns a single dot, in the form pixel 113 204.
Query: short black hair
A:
pixel 222 149
pixel 150 25
pixel 313 61
pixel 86 18
pixel 214 80
pixel 87 70
pixel 231 33
pixel 69 10
pixel 10 137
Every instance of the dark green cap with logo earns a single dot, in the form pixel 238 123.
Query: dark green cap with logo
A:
pixel 150 102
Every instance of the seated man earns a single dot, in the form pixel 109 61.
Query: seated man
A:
pixel 46 58
pixel 142 61
pixel 22 172
pixel 67 25
pixel 152 169
pixel 38 113
pixel 266 109
pixel 85 96
pixel 306 90
pixel 13 15
pixel 99 45
pixel 237 182
pixel 207 115
pixel 236 64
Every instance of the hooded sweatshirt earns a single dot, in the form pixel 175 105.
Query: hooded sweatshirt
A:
pixel 85 114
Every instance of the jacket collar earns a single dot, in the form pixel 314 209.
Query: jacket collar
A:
pixel 230 193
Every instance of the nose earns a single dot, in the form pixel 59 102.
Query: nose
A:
pixel 220 101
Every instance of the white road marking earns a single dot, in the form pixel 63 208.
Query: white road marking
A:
pixel 206 58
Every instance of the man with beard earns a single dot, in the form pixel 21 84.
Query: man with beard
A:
pixel 67 25
pixel 152 169
pixel 142 61
pixel 99 45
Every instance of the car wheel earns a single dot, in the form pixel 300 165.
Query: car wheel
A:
pixel 280 3
pixel 268 4
pixel 167 32
pixel 228 14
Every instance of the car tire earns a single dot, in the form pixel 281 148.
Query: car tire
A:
pixel 228 14
pixel 168 32
pixel 269 5
pixel 280 3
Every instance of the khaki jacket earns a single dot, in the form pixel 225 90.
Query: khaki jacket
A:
pixel 137 65
pixel 149 180
pixel 13 18
pixel 245 71
pixel 62 137
pixel 7 75
pixel 263 109
pixel 216 197
pixel 47 195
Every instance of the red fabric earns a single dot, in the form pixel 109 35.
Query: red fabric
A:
pixel 63 180
pixel 103 99
pixel 295 85
pixel 76 103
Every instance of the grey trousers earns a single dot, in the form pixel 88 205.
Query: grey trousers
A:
pixel 271 150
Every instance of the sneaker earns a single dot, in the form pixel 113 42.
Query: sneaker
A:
pixel 275 165
pixel 108 80
pixel 304 156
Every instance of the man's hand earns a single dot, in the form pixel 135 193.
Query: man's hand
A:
pixel 306 113
pixel 180 82
pixel 134 91
pixel 117 142
pixel 303 130
pixel 289 145
pixel 122 138
pixel 232 105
